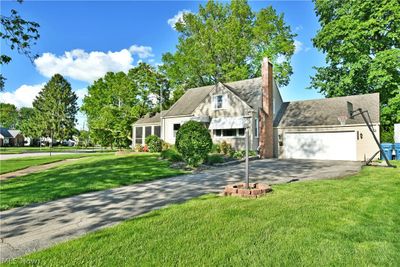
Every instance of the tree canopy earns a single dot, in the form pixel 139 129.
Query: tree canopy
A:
pixel 19 34
pixel 55 109
pixel 226 42
pixel 361 41
pixel 117 100
pixel 8 115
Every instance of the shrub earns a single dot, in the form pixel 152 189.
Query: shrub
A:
pixel 138 148
pixel 215 158
pixel 154 143
pixel 145 148
pixel 194 142
pixel 225 147
pixel 215 148
pixel 239 154
pixel 165 145
pixel 171 155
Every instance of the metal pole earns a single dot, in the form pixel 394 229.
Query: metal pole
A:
pixel 375 138
pixel 247 157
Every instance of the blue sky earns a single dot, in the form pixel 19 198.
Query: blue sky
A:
pixel 83 39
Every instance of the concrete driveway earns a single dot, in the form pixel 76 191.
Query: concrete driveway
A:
pixel 27 229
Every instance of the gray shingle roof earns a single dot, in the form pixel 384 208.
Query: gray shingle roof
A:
pixel 156 118
pixel 326 111
pixel 189 101
pixel 5 133
pixel 250 91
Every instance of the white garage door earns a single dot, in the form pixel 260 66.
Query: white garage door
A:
pixel 321 145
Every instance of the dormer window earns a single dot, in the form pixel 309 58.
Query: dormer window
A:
pixel 218 101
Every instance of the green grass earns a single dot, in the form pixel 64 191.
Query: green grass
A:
pixel 353 221
pixel 11 165
pixel 89 174
pixel 20 150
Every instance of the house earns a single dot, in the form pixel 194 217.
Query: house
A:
pixel 11 137
pixel 308 129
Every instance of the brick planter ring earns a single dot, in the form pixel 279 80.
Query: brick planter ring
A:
pixel 255 190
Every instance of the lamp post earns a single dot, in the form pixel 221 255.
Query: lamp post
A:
pixel 247 137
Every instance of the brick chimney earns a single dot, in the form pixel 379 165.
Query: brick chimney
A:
pixel 265 115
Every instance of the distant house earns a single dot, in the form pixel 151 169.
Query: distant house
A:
pixel 11 137
pixel 310 129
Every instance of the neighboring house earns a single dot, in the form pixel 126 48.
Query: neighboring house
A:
pixel 11 137
pixel 301 129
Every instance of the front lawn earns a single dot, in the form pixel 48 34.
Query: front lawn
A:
pixel 354 221
pixel 10 165
pixel 89 174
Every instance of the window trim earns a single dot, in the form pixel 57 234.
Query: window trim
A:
pixel 215 101
pixel 225 136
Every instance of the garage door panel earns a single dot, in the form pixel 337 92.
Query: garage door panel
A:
pixel 321 145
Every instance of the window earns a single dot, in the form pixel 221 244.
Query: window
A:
pixel 138 135
pixel 218 101
pixel 157 131
pixel 176 128
pixel 229 132
pixel 256 127
pixel 147 131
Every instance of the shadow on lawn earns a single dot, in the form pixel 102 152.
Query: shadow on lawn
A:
pixel 76 215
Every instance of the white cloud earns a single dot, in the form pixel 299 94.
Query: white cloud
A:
pixel 23 96
pixel 298 46
pixel 83 66
pixel 141 51
pixel 90 66
pixel 177 18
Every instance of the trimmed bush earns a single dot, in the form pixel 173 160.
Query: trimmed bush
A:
pixel 154 143
pixel 171 155
pixel 194 142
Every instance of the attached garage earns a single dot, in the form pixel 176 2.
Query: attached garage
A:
pixel 321 145
pixel 311 129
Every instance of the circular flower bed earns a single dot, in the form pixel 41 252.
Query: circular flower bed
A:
pixel 253 191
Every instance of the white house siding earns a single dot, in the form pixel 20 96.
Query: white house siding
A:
pixel 233 107
pixel 167 126
pixel 365 144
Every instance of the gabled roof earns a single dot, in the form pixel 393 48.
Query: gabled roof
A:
pixel 250 90
pixel 14 133
pixel 323 112
pixel 5 133
pixel 247 90
pixel 189 101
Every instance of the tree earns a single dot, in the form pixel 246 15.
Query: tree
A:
pixel 226 42
pixel 8 115
pixel 194 142
pixel 361 41
pixel 55 109
pixel 19 34
pixel 26 122
pixel 153 86
pixel 117 100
